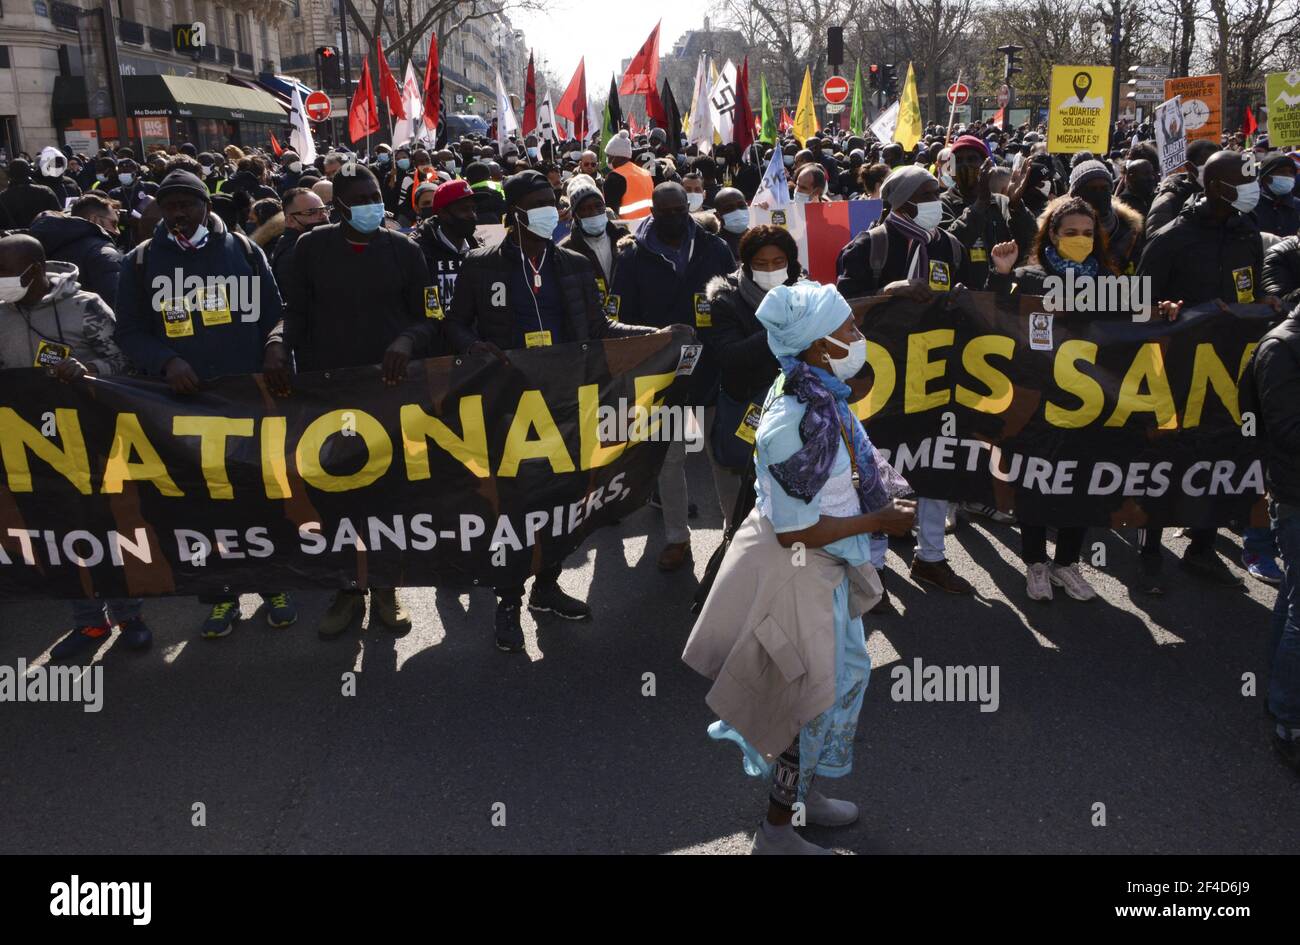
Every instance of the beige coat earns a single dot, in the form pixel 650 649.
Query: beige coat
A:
pixel 766 635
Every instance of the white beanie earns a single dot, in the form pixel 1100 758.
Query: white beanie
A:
pixel 619 146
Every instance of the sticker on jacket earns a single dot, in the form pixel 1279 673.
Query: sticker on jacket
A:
pixel 1040 331
pixel 176 319
pixel 50 353
pixel 612 303
pixel 978 253
pixel 433 303
pixel 940 276
pixel 1244 282
pixel 703 316
pixel 214 306
pixel 537 339
pixel 690 357
pixel 748 429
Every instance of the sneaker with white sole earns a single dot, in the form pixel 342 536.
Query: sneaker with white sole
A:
pixel 1038 583
pixel 1068 577
pixel 770 840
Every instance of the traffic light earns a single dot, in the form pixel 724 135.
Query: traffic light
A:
pixel 327 61
pixel 1013 64
pixel 891 80
pixel 874 73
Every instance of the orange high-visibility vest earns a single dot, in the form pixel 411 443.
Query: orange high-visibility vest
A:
pixel 640 188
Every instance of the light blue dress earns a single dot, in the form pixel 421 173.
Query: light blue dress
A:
pixel 826 742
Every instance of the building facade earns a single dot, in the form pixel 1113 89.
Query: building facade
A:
pixel 43 92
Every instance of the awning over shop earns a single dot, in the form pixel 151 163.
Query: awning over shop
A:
pixel 172 96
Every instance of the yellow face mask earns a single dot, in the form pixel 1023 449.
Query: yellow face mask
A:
pixel 1075 248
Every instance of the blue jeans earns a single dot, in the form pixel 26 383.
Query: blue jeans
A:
pixel 1284 674
pixel 931 522
pixel 90 613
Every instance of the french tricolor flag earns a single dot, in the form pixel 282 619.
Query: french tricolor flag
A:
pixel 829 227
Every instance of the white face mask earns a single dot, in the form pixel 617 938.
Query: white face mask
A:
pixel 801 197
pixel 849 365
pixel 1247 196
pixel 928 215
pixel 769 280
pixel 196 241
pixel 694 201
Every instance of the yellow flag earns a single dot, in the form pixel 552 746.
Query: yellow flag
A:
pixel 908 130
pixel 805 116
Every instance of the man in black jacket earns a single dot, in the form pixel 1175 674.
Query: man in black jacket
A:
pixel 489 205
pixel 661 278
pixel 1282 271
pixel 1278 211
pixel 1272 388
pixel 447 236
pixel 979 218
pixel 85 239
pixel 352 288
pixel 1177 189
pixel 303 212
pixel 1212 250
pixel 525 292
pixel 22 200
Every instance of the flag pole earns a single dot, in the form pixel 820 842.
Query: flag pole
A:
pixel 952 114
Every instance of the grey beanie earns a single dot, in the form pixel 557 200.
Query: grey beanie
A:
pixel 1086 171
pixel 579 188
pixel 902 182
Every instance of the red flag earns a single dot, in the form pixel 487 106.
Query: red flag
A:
pixel 786 121
pixel 743 119
pixel 275 146
pixel 530 99
pixel 654 108
pixel 573 103
pixel 363 116
pixel 388 85
pixel 632 127
pixel 432 84
pixel 998 117
pixel 1249 125
pixel 642 73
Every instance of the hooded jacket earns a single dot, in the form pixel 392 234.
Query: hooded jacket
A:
pixel 22 200
pixel 1125 244
pixel 1197 260
pixel 152 332
pixel 1171 196
pixel 68 321
pixel 86 245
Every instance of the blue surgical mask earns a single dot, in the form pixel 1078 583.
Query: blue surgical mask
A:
pixel 736 221
pixel 593 226
pixel 542 221
pixel 1281 186
pixel 403 164
pixel 534 152
pixel 102 178
pixel 126 179
pixel 382 158
pixel 788 160
pixel 366 217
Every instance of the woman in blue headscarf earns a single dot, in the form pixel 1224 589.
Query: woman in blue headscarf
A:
pixel 781 632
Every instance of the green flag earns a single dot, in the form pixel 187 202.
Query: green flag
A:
pixel 769 121
pixel 857 120
pixel 607 131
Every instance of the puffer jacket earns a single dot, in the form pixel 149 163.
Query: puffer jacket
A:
pixel 67 322
pixel 86 245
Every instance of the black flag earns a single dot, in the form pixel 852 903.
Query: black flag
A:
pixel 674 118
pixel 615 110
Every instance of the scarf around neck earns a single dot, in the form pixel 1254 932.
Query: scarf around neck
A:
pixel 822 428
pixel 905 226
pixel 1058 262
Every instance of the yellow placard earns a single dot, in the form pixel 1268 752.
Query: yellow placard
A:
pixel 1080 107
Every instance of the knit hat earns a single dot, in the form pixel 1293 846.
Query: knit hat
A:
pixel 902 183
pixel 1086 171
pixel 579 188
pixel 445 194
pixel 519 185
pixel 970 141
pixel 182 182
pixel 619 146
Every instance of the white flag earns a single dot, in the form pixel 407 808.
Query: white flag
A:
pixel 595 119
pixel 300 139
pixel 884 125
pixel 405 129
pixel 774 190
pixel 701 128
pixel 546 119
pixel 722 103
pixel 506 121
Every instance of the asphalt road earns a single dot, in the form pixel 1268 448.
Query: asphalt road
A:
pixel 1132 703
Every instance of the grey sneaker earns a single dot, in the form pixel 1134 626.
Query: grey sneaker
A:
pixel 783 841
pixel 1075 584
pixel 1038 584
pixel 825 811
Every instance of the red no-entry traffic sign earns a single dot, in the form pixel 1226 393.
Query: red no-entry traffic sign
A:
pixel 958 94
pixel 835 89
pixel 317 105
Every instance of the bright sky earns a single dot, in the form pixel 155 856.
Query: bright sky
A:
pixel 605 33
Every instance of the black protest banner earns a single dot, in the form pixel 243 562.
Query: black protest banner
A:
pixel 1066 419
pixel 470 472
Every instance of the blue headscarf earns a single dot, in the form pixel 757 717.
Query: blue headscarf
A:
pixel 797 315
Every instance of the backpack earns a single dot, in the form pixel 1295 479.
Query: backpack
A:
pixel 879 250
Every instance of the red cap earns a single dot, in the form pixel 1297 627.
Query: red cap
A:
pixel 970 141
pixel 449 192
